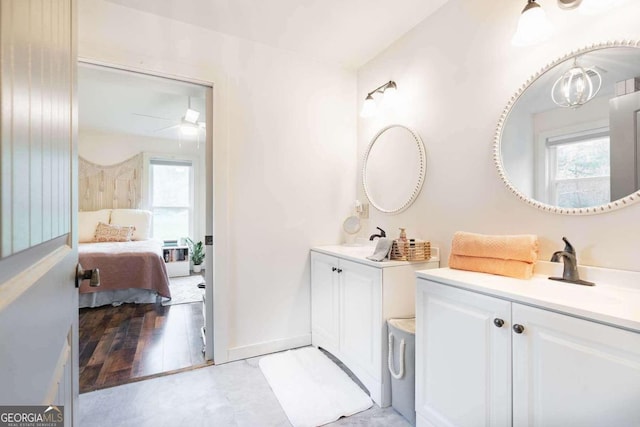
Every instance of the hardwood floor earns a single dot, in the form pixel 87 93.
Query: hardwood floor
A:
pixel 122 344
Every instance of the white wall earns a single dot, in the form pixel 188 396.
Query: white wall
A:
pixel 455 73
pixel 107 148
pixel 284 148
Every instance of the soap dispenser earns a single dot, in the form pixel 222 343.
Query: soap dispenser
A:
pixel 401 242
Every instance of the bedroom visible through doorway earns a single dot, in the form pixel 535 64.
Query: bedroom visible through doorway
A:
pixel 142 146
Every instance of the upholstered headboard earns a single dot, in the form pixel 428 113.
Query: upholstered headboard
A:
pixel 88 221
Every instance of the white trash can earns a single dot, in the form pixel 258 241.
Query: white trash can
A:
pixel 402 366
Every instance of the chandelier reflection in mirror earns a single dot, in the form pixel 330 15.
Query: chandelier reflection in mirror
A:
pixel 576 86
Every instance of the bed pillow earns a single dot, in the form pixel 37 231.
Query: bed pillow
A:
pixel 140 219
pixel 88 221
pixel 113 233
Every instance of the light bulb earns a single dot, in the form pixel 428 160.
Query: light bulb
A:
pixel 369 107
pixel 191 116
pixel 533 27
pixel 390 93
pixel 593 7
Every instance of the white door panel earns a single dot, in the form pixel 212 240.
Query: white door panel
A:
pixel 360 312
pixel 324 301
pixel 38 253
pixel 463 359
pixel 569 371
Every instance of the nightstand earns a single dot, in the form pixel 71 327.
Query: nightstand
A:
pixel 177 260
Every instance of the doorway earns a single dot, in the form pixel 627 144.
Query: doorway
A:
pixel 144 147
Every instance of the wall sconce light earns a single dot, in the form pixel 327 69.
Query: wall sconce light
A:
pixel 388 90
pixel 576 86
pixel 534 27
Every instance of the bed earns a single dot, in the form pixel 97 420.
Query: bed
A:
pixel 130 271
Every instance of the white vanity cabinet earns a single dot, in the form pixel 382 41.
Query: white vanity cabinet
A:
pixel 463 361
pixel 351 299
pixel 483 360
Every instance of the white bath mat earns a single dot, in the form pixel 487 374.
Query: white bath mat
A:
pixel 184 290
pixel 312 389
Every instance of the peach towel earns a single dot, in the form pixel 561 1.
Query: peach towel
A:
pixel 502 267
pixel 522 247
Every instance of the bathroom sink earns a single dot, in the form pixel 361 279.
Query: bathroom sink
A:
pixel 358 250
pixel 569 293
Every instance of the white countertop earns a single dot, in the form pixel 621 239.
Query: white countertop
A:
pixel 615 300
pixel 359 253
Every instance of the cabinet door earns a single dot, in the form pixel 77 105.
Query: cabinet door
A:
pixel 361 316
pixel 463 360
pixel 573 372
pixel 324 301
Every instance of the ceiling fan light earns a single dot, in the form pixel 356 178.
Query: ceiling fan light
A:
pixel 533 27
pixel 191 116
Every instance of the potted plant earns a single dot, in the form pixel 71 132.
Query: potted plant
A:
pixel 197 254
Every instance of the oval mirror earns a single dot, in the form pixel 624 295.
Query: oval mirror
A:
pixel 568 141
pixel 394 168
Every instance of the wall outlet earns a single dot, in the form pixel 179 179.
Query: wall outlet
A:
pixel 365 211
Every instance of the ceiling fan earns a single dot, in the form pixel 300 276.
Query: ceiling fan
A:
pixel 188 124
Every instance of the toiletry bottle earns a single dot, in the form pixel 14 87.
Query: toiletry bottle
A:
pixel 401 241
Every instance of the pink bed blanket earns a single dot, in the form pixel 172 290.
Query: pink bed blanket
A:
pixel 125 265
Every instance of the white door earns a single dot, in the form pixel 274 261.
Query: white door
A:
pixel 361 317
pixel 573 372
pixel 38 256
pixel 324 301
pixel 463 358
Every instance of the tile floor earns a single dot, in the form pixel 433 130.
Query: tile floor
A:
pixel 233 394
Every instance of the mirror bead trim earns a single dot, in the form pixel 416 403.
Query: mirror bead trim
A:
pixel 422 171
pixel 617 204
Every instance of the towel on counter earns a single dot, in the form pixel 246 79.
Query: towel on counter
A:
pixel 512 256
pixel 501 267
pixel 522 247
pixel 383 248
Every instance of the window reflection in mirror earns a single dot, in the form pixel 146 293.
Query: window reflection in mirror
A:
pixel 578 156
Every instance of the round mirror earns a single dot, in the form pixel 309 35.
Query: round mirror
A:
pixel 394 168
pixel 351 225
pixel 568 141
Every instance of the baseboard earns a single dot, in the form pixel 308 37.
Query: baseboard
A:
pixel 253 350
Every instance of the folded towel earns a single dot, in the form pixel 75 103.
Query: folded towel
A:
pixel 383 248
pixel 522 247
pixel 502 267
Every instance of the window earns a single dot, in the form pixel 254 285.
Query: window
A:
pixel 579 168
pixel 171 198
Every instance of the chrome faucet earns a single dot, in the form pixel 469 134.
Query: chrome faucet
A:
pixel 570 273
pixel 380 236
